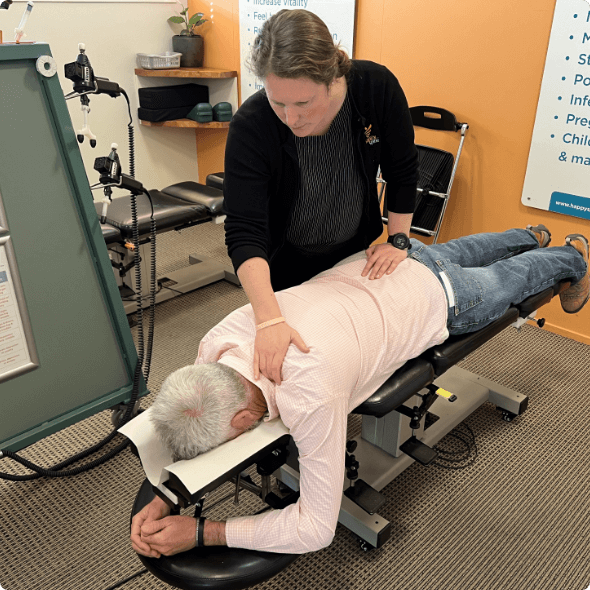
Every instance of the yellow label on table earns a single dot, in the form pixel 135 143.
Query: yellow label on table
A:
pixel 444 393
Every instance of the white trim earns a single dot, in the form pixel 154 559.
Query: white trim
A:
pixel 448 288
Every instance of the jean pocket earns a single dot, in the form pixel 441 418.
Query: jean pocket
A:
pixel 467 291
pixel 416 250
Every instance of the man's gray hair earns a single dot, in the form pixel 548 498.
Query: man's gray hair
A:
pixel 193 411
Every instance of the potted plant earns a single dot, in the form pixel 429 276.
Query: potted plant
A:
pixel 188 42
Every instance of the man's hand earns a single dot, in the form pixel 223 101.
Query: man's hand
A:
pixel 170 535
pixel 154 511
pixel 270 348
pixel 382 259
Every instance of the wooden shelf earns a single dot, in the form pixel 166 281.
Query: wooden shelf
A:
pixel 187 73
pixel 188 123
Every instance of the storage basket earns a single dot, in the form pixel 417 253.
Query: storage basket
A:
pixel 162 61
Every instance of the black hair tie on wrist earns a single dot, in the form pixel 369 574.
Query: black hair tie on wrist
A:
pixel 200 533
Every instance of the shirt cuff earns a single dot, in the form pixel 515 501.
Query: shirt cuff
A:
pixel 239 532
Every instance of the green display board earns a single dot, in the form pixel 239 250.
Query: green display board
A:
pixel 66 351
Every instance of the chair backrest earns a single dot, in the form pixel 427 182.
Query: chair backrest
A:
pixel 434 118
pixel 435 168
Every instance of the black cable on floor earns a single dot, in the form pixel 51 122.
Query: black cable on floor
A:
pixel 119 584
pixel 467 440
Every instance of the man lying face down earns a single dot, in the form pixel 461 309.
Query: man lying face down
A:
pixel 359 332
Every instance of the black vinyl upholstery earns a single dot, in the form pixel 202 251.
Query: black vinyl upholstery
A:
pixel 403 384
pixel 456 348
pixel 419 372
pixel 199 194
pixel 169 213
pixel 215 180
pixel 110 233
pixel 211 568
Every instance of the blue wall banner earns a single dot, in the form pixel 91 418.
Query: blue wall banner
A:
pixel 558 170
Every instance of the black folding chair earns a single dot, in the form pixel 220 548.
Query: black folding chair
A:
pixel 437 170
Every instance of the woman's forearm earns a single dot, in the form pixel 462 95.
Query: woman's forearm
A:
pixel 399 223
pixel 254 274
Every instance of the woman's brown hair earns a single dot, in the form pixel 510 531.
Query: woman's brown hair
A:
pixel 297 44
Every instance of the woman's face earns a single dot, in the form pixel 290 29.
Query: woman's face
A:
pixel 300 103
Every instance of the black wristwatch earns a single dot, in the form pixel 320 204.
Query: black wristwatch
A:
pixel 400 241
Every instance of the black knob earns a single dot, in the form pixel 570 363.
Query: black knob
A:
pixel 351 446
pixel 541 322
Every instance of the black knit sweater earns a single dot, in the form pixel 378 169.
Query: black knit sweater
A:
pixel 262 174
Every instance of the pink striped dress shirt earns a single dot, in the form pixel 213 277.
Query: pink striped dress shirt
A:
pixel 359 333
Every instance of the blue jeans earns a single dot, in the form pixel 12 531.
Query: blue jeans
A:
pixel 485 274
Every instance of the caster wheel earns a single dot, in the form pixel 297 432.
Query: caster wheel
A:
pixel 366 547
pixel 119 413
pixel 508 416
pixel 363 544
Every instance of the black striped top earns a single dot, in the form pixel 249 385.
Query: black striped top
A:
pixel 329 206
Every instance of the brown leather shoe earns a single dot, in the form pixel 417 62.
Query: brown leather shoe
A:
pixel 542 234
pixel 574 298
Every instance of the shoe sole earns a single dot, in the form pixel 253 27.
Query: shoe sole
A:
pixel 542 228
pixel 568 239
pixel 571 237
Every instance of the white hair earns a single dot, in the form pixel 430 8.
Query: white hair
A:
pixel 195 406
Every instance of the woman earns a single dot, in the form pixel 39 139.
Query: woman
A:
pixel 301 162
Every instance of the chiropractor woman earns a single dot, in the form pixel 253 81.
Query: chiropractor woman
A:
pixel 301 163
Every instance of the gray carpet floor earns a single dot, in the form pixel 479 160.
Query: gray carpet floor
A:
pixel 517 517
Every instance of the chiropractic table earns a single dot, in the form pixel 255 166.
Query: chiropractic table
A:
pixel 393 436
pixel 176 207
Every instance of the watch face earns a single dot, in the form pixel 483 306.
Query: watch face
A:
pixel 400 241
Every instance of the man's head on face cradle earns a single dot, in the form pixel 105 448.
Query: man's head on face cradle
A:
pixel 200 407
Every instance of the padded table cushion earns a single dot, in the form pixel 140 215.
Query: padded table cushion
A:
pixel 216 180
pixel 403 384
pixel 456 348
pixel 211 568
pixel 419 372
pixel 169 213
pixel 194 192
pixel 110 233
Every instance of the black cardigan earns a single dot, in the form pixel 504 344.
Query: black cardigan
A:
pixel 262 172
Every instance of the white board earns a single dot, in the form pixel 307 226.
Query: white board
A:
pixel 337 14
pixel 558 170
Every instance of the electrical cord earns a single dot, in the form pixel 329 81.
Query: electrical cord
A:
pixel 136 575
pixel 131 135
pixel 145 297
pixel 57 470
pixel 457 459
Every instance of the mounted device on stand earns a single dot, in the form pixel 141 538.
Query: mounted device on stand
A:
pixel 66 351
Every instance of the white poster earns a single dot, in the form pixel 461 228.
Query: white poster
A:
pixel 15 355
pixel 337 14
pixel 558 171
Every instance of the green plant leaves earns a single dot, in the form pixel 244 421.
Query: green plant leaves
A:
pixel 197 19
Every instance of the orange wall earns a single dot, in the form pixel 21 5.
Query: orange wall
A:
pixel 484 62
pixel 222 50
